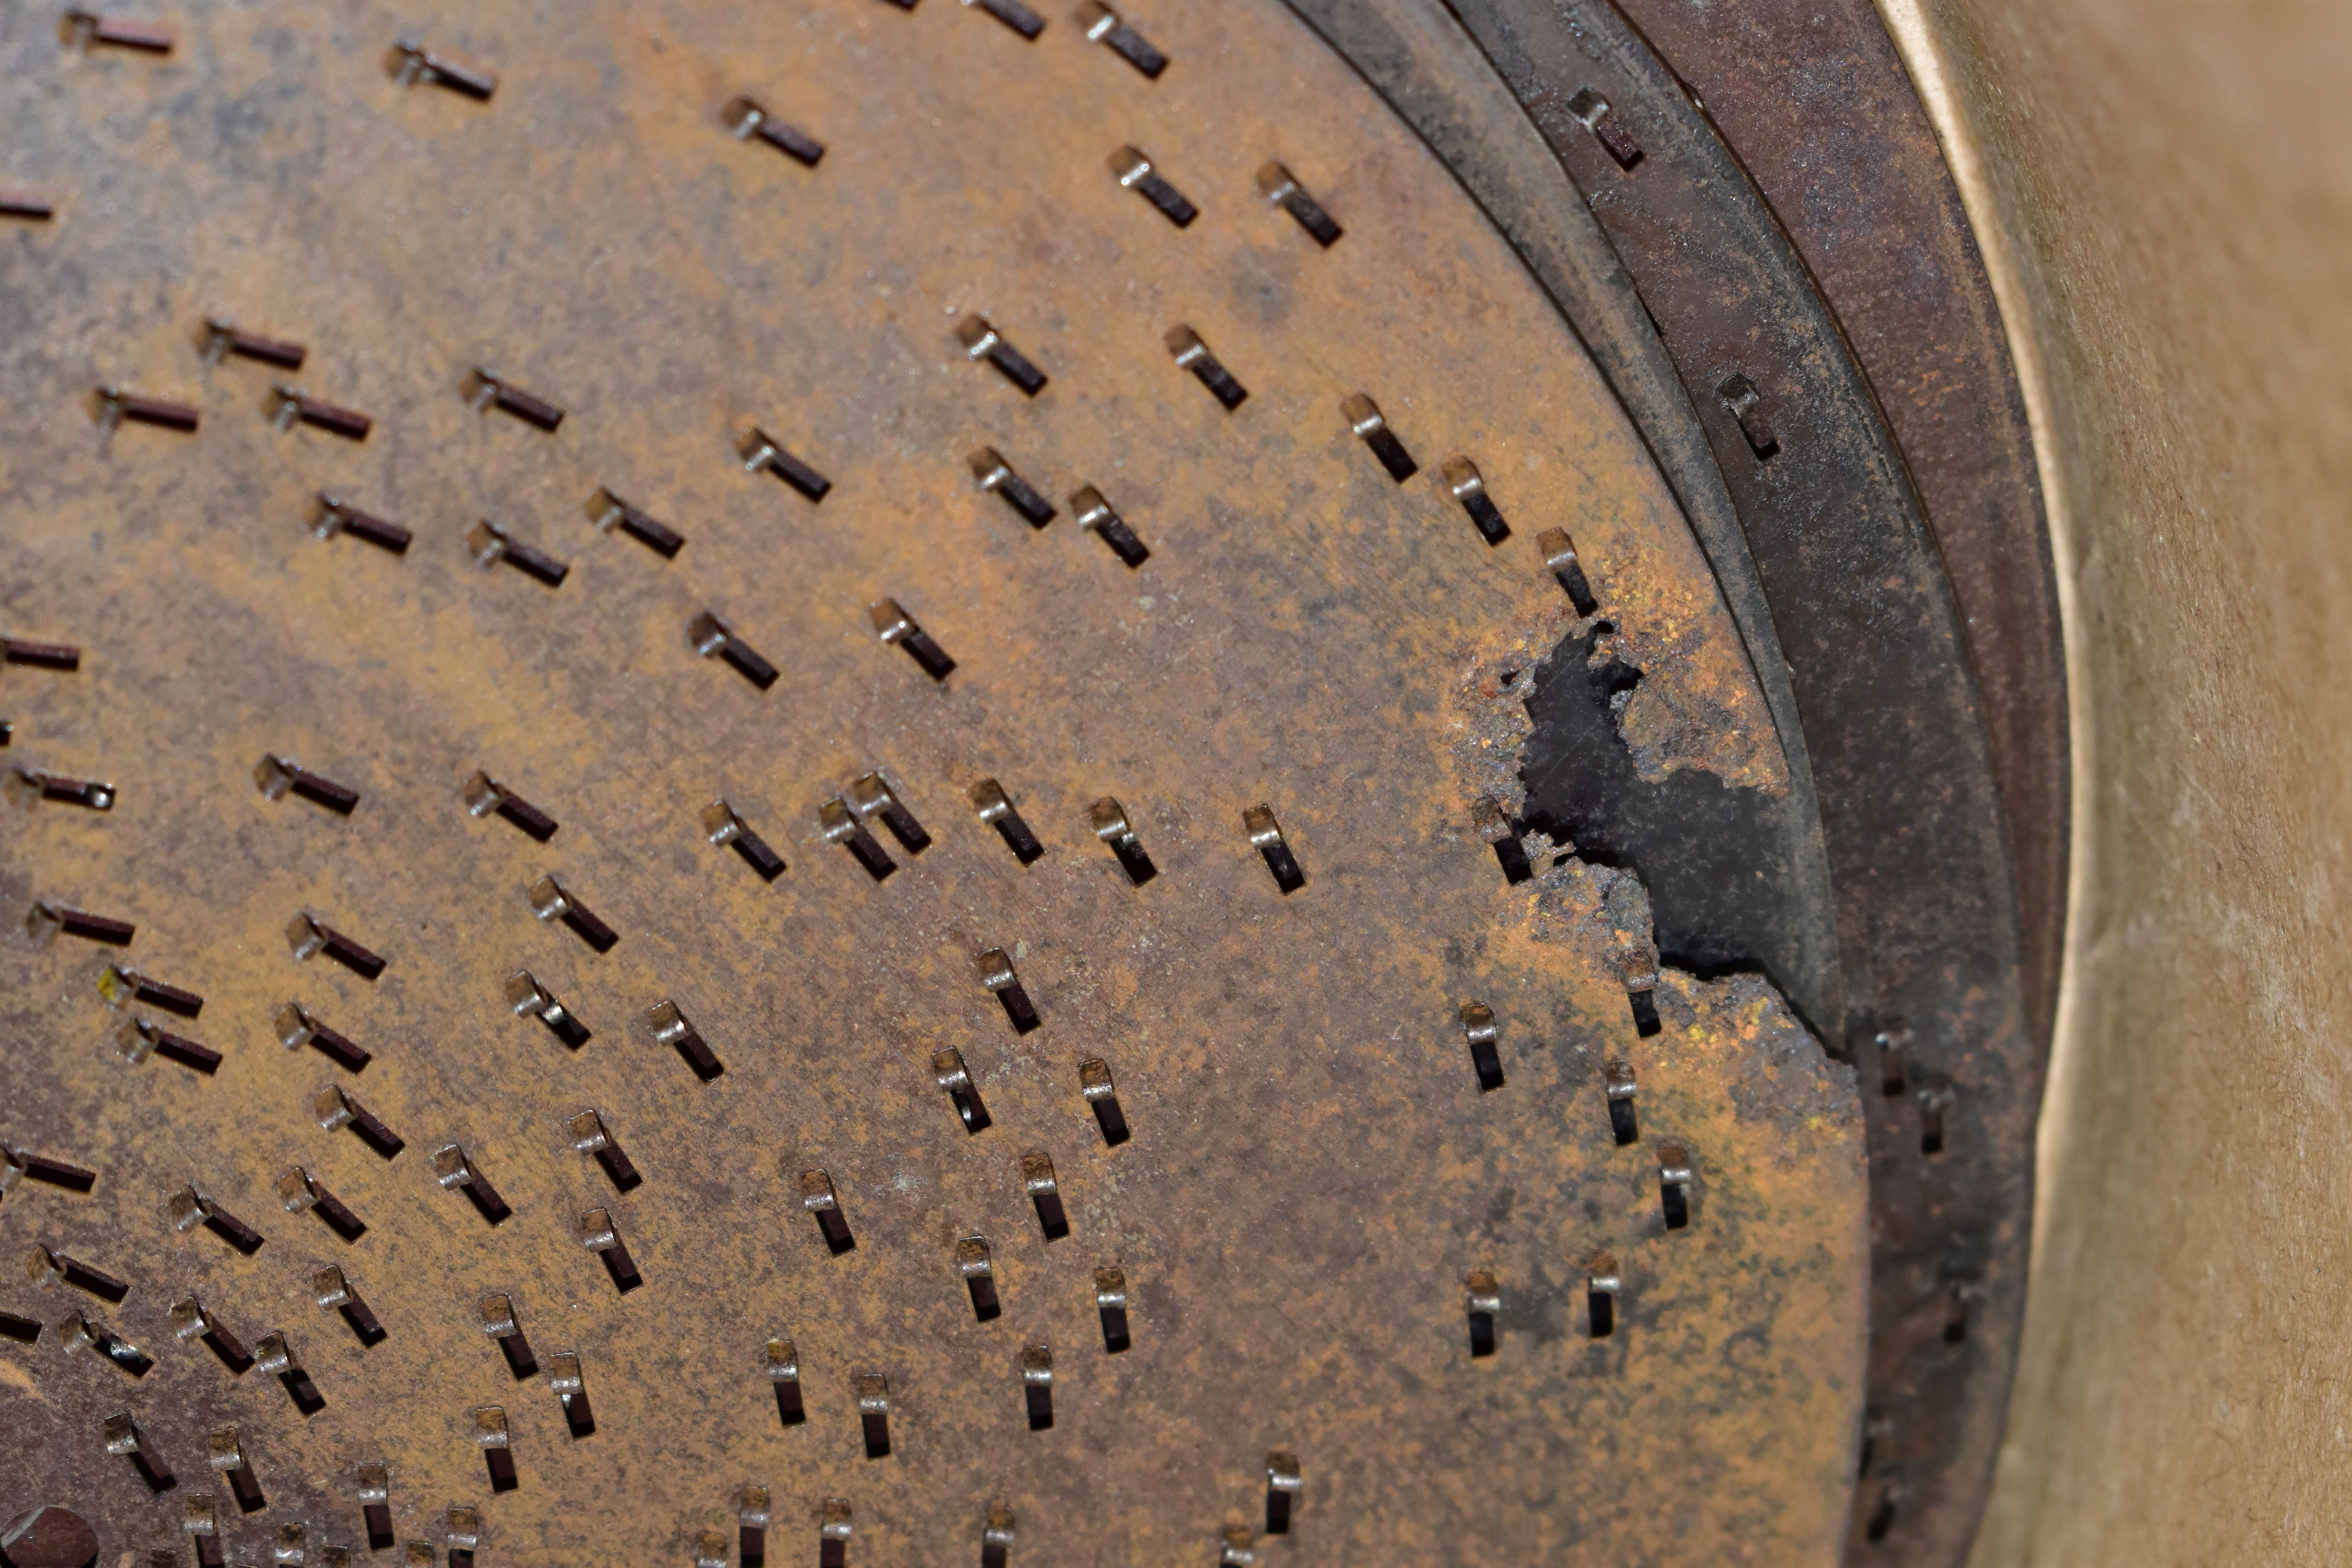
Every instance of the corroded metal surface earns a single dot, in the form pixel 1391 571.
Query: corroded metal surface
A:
pixel 1313 1172
pixel 1430 70
pixel 1925 893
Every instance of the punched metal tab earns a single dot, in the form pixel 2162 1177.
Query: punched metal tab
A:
pixel 981 341
pixel 334 1107
pixel 189 1208
pixel 1559 559
pixel 989 467
pixel 1479 1032
pixel 975 1263
pixel 275 1356
pixel 818 1198
pixel 29 786
pixel 483 794
pixel 39 654
pixel 840 825
pixel 1624 1125
pixel 1365 423
pixel 1894 1044
pixel 46 921
pixel 492 1436
pixel 894 625
pixel 1095 1088
pixel 671 1028
pixel 551 900
pixel 872 1391
pixel 299 1190
pixel 332 515
pixel 949 1073
pixel 124 1436
pixel 751 1518
pixel 600 1237
pixel 609 511
pixel 47 1268
pixel 489 543
pixel 759 450
pixel 996 973
pixel 1600 1288
pixel 1191 353
pixel 1592 111
pixel 1266 837
pixel 1747 405
pixel 870 797
pixel 197 1521
pixel 996 1534
pixel 745 118
pixel 84 29
pixel 299 1027
pixel 191 1321
pixel 1110 1309
pixel 496 1314
pixel 1281 187
pixel 373 1484
pixel 227 1456
pixel 484 389
pixel 590 1136
pixel 124 988
pixel 221 339
pixel 18 1165
pixel 1013 15
pixel 1482 1301
pixel 1037 1386
pixel 412 64
pixel 1096 516
pixel 529 998
pixel 1674 1183
pixel 113 406
pixel 455 1170
pixel 140 1038
pixel 781 1359
pixel 1044 1192
pixel 1135 172
pixel 277 776
pixel 996 809
pixel 565 1381
pixel 308 937
pixel 834 1527
pixel 1469 487
pixel 463 1528
pixel 1112 825
pixel 1283 1487
pixel 1936 1098
pixel 722 825
pixel 1104 26
pixel 81 1332
pixel 289 406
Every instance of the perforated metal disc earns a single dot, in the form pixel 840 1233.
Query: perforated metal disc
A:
pixel 1326 1183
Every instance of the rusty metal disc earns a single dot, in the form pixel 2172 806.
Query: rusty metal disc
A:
pixel 768 798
